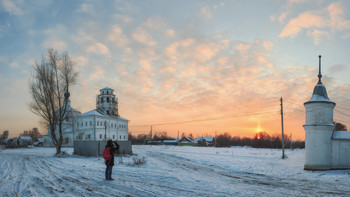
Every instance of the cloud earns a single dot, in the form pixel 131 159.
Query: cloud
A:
pixel 144 37
pixel 80 60
pixel 336 12
pixel 171 50
pixel 118 38
pixel 97 74
pixel 11 7
pixel 318 23
pixel 56 44
pixel 123 18
pixel 318 35
pixel 205 12
pixel 170 33
pixel 85 7
pixel 303 21
pixel 206 52
pixel 14 65
pixel 98 48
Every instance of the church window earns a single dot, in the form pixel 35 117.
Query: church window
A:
pixel 100 136
pixel 98 123
pixel 107 99
pixel 108 112
pixel 102 99
pixel 124 137
pixel 107 92
pixel 86 123
pixel 120 137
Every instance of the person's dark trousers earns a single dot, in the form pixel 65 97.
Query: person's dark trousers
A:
pixel 109 172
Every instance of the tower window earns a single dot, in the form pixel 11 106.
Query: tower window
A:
pixel 102 99
pixel 107 92
pixel 107 99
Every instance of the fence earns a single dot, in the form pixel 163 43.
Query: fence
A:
pixel 95 148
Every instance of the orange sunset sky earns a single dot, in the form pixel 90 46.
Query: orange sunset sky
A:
pixel 182 66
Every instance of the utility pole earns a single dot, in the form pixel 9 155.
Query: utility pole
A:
pixel 283 156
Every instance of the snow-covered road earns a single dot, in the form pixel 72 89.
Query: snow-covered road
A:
pixel 169 171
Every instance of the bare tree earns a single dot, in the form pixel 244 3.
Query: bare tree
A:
pixel 5 135
pixel 34 134
pixel 48 88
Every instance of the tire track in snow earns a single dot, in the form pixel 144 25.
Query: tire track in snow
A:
pixel 253 182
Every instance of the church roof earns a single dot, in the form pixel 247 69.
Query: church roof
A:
pixel 341 135
pixel 93 112
pixel 106 88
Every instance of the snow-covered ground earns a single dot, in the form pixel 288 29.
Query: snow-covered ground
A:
pixel 169 171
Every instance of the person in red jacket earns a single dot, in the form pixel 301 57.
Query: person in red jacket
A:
pixel 111 148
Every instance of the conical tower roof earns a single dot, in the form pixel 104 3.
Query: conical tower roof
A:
pixel 320 92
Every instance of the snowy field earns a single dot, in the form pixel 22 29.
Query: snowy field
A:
pixel 169 171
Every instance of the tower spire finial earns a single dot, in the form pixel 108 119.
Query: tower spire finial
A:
pixel 319 69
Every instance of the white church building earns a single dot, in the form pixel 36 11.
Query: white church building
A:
pixel 325 149
pixel 101 123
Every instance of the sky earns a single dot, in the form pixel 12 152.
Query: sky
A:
pixel 187 66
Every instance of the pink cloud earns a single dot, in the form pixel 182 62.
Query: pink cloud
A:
pixel 303 21
pixel 144 37
pixel 97 48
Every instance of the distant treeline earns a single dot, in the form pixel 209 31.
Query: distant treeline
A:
pixel 260 140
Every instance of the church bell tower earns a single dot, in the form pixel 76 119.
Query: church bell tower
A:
pixel 107 103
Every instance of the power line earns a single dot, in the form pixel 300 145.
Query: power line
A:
pixel 210 119
pixel 342 113
pixel 342 108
